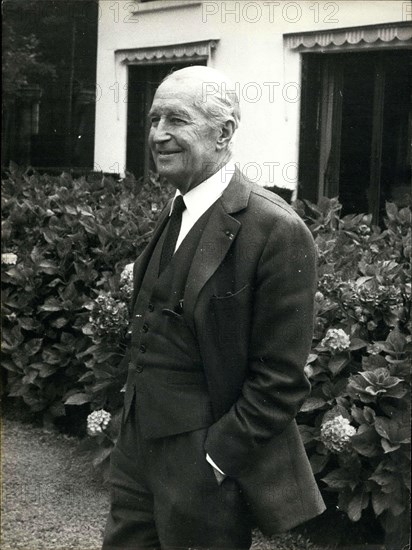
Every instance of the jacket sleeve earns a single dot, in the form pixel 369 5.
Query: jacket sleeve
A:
pixel 280 339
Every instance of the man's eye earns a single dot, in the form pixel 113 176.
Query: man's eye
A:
pixel 177 120
pixel 154 120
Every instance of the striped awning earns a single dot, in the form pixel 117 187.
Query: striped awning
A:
pixel 159 54
pixel 393 35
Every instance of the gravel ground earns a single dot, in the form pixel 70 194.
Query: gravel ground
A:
pixel 52 499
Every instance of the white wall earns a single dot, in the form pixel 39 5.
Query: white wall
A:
pixel 250 51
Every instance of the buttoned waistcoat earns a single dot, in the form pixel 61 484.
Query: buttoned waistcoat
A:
pixel 165 368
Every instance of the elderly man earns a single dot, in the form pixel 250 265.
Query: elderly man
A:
pixel 222 325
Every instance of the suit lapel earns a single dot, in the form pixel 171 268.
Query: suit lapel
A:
pixel 217 238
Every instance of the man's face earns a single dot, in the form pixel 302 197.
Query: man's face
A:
pixel 182 141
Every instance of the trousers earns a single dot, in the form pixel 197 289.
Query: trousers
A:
pixel 164 494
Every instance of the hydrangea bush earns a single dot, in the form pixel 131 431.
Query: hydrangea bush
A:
pixel 65 293
pixel 355 423
pixel 67 252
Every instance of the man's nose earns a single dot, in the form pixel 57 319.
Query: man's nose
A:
pixel 160 132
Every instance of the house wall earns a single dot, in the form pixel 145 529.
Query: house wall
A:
pixel 250 51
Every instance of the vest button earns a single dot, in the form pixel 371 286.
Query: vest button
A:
pixel 145 328
pixel 150 307
pixel 139 368
pixel 142 348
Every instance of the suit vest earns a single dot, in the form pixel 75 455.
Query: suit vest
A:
pixel 166 367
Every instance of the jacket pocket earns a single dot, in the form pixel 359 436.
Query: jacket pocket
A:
pixel 230 296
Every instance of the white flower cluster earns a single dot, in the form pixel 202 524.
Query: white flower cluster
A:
pixel 336 339
pixel 9 258
pixel 97 422
pixel 126 281
pixel 336 434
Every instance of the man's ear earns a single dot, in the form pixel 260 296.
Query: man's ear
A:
pixel 226 134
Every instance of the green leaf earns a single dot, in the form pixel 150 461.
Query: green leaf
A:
pixel 70 210
pixel 358 414
pixel 51 356
pixel 48 266
pixel 369 415
pixel 51 304
pixel 312 357
pixel 313 403
pixel 87 377
pixel 357 343
pixel 338 362
pixel 31 347
pixel 373 362
pixel 358 503
pixel 45 370
pixel 380 502
pixel 12 339
pixel 397 392
pixel 27 323
pixel 382 427
pixel 77 399
pixel 396 341
pixel 20 358
pixel 366 441
pixel 338 479
pixel 10 365
pixel 389 447
pixel 319 462
pixel 30 377
pixel 396 430
pixel 60 322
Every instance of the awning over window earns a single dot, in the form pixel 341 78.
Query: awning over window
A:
pixel 195 51
pixel 392 35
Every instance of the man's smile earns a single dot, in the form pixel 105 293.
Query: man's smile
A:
pixel 167 152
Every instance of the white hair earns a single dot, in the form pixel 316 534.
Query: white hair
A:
pixel 217 98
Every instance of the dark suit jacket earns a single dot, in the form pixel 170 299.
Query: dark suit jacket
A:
pixel 249 301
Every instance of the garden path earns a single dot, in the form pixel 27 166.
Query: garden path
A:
pixel 53 500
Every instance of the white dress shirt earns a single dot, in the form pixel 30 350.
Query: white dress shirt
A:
pixel 197 201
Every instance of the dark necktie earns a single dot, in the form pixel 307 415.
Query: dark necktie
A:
pixel 172 234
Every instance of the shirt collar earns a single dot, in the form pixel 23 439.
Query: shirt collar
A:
pixel 199 199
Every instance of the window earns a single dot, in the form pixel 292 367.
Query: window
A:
pixel 356 128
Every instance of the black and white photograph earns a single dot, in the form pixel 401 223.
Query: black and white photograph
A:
pixel 206 275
